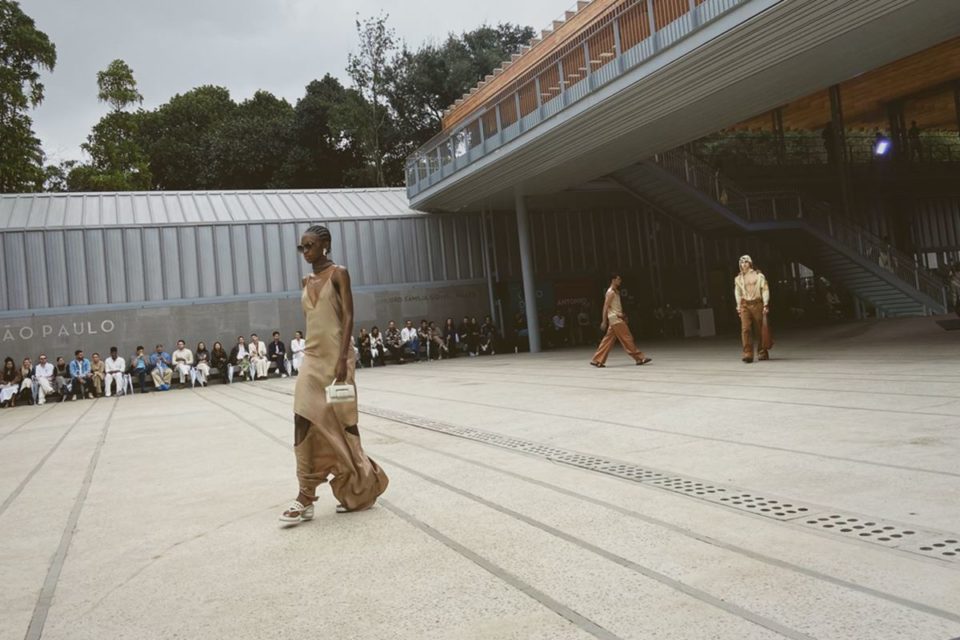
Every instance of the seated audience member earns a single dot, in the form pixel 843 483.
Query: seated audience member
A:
pixel 425 336
pixel 521 333
pixel 140 367
pixel 239 360
pixel 25 394
pixel 220 360
pixel 259 365
pixel 363 348
pixel 61 380
pixel 161 369
pixel 297 345
pixel 81 378
pixel 558 324
pixel 451 338
pixel 376 347
pixel 201 365
pixel 488 337
pixel 584 331
pixel 43 375
pixel 438 342
pixel 410 339
pixel 115 368
pixel 9 383
pixel 463 334
pixel 183 362
pixel 98 373
pixel 472 336
pixel 277 356
pixel 393 342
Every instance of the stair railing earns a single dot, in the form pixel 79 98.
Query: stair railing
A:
pixel 783 206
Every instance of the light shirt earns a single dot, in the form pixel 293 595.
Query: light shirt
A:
pixel 44 371
pixel 297 345
pixel 182 356
pixel 759 290
pixel 241 352
pixel 258 349
pixel 615 310
pixel 116 365
pixel 408 335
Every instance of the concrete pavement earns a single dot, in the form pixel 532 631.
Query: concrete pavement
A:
pixel 813 496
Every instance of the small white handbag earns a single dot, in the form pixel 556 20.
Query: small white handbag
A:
pixel 340 393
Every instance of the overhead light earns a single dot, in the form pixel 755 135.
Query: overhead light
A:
pixel 882 147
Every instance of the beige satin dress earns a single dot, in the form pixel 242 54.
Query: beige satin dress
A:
pixel 332 445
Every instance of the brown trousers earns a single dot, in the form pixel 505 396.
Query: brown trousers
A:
pixel 615 332
pixel 751 326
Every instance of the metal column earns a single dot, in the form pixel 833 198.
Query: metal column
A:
pixel 487 265
pixel 526 268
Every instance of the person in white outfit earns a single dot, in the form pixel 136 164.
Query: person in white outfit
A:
pixel 116 366
pixel 183 362
pixel 297 345
pixel 259 363
pixel 201 370
pixel 43 375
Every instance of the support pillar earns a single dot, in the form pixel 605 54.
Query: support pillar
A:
pixel 778 135
pixel 956 103
pixel 841 165
pixel 526 268
pixel 487 264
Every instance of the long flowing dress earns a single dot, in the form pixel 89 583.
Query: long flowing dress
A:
pixel 332 444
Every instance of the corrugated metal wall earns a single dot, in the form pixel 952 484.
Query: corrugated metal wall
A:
pixel 58 268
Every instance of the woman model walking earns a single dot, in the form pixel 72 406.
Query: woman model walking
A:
pixel 326 438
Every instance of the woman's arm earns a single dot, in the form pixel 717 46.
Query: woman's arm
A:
pixel 341 279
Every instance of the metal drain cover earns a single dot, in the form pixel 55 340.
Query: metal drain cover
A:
pixel 942 546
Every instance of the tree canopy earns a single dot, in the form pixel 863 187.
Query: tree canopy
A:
pixel 24 52
pixel 334 136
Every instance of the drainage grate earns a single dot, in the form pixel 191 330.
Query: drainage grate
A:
pixel 770 507
pixel 630 472
pixel 938 546
pixel 866 529
pixel 941 546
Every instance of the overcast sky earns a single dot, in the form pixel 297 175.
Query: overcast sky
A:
pixel 244 45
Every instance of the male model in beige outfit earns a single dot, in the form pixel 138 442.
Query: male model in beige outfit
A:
pixel 615 325
pixel 753 303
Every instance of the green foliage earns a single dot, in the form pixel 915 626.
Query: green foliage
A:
pixel 117 86
pixel 334 136
pixel 178 137
pixel 117 161
pixel 248 149
pixel 24 52
pixel 365 113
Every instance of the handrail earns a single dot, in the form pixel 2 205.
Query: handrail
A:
pixel 626 34
pixel 779 206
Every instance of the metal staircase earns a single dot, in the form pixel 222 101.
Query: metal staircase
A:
pixel 696 194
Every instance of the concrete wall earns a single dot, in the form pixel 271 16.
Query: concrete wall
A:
pixel 126 327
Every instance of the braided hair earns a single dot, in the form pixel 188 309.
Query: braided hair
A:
pixel 320 231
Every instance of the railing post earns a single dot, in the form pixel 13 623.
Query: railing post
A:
pixel 483 138
pixel 774 207
pixel 694 13
pixel 536 87
pixel 499 123
pixel 563 83
pixel 916 277
pixel 516 97
pixel 586 64
pixel 617 48
pixel 652 20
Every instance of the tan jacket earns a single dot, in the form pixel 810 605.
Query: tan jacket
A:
pixel 761 290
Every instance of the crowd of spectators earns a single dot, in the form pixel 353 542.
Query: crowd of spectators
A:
pixel 83 378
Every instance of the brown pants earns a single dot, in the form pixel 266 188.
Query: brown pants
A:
pixel 621 332
pixel 751 326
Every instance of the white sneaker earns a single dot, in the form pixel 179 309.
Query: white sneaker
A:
pixel 283 375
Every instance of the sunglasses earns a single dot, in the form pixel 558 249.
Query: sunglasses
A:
pixel 302 248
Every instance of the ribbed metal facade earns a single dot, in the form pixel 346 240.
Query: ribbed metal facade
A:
pixel 97 249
